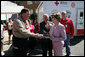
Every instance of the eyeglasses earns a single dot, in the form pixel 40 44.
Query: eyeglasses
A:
pixel 52 17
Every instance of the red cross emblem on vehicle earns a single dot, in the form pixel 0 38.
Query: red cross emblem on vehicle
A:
pixel 56 3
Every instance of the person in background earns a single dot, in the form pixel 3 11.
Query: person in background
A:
pixel 2 37
pixel 32 40
pixel 36 26
pixel 57 35
pixel 10 23
pixel 69 27
pixel 46 43
pixel 7 25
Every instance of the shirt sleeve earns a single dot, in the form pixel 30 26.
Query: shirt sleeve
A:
pixel 25 32
pixel 72 28
pixel 3 28
pixel 41 28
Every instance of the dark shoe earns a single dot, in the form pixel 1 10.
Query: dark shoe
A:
pixel 67 55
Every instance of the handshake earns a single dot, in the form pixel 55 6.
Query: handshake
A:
pixel 40 36
pixel 37 35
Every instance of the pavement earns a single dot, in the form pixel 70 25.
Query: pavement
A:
pixel 77 48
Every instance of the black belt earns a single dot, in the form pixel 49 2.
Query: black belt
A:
pixel 20 38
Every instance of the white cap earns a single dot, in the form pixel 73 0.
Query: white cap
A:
pixel 46 15
pixel 64 12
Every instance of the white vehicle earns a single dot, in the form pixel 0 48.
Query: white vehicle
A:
pixel 74 9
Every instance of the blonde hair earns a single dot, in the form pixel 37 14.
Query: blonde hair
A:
pixel 57 15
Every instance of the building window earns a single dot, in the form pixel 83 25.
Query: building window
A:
pixel 37 2
pixel 68 14
pixel 63 3
pixel 29 2
pixel 81 15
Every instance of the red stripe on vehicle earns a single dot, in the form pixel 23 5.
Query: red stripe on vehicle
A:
pixel 80 31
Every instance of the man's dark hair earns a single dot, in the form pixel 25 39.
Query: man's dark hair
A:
pixel 10 18
pixel 24 10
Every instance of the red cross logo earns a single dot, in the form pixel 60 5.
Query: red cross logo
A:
pixel 56 3
pixel 73 4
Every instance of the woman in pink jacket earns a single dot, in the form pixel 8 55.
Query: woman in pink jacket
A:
pixel 57 35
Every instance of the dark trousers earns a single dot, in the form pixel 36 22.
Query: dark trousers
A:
pixel 32 44
pixel 46 45
pixel 10 32
pixel 20 46
pixel 67 44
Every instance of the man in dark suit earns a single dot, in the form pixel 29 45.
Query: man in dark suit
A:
pixel 46 44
